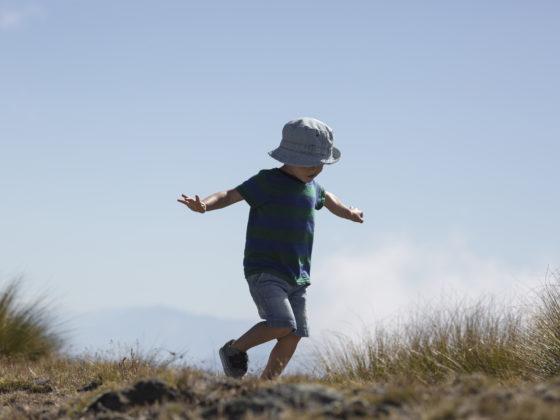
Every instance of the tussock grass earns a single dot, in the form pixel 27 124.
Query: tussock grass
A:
pixel 543 335
pixel 26 329
pixel 433 345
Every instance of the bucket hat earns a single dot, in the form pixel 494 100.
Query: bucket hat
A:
pixel 306 142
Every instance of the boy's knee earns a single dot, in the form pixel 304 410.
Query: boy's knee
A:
pixel 284 332
pixel 291 338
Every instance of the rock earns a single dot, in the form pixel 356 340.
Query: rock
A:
pixel 549 392
pixel 470 384
pixel 142 393
pixel 357 407
pixel 108 401
pixel 207 390
pixel 150 391
pixel 91 386
pixel 278 399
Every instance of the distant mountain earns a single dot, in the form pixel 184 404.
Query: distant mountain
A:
pixel 158 329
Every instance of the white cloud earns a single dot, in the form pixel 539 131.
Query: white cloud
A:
pixel 353 291
pixel 17 18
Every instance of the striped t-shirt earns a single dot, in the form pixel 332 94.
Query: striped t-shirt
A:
pixel 281 225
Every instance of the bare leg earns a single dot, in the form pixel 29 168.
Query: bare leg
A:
pixel 258 334
pixel 280 356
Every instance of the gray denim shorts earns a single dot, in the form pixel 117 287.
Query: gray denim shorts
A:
pixel 280 303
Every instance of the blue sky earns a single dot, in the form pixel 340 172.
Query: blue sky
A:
pixel 446 114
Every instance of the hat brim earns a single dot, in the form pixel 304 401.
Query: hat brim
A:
pixel 300 159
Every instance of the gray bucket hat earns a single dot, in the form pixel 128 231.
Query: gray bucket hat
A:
pixel 306 142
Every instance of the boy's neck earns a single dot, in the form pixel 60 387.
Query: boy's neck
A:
pixel 302 174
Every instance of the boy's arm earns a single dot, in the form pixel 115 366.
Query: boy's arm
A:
pixel 216 201
pixel 336 207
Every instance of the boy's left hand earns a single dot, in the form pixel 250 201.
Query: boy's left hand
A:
pixel 356 215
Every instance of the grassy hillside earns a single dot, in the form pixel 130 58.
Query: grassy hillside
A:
pixel 480 360
pixel 53 388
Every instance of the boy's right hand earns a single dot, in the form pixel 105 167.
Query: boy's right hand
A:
pixel 193 203
pixel 356 215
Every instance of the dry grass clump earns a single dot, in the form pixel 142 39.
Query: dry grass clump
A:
pixel 26 329
pixel 492 339
pixel 431 346
pixel 542 345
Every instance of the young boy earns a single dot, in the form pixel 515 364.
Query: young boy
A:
pixel 279 240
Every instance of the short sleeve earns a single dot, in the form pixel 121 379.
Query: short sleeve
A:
pixel 321 193
pixel 254 189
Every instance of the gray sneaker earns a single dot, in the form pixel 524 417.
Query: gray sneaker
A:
pixel 234 361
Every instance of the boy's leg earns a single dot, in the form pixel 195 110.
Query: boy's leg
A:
pixel 260 333
pixel 280 356
pixel 271 295
pixel 286 346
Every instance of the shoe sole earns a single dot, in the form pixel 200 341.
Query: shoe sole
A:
pixel 225 365
pixel 227 371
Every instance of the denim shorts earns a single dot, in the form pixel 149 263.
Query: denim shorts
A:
pixel 280 303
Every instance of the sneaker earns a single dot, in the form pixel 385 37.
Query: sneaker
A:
pixel 234 361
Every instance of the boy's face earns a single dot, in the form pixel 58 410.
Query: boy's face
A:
pixel 304 173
